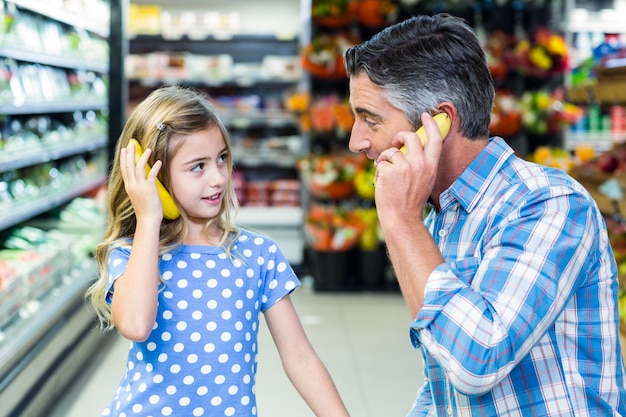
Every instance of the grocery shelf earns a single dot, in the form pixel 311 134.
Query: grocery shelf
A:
pixel 271 216
pixel 33 156
pixel 41 107
pixel 243 48
pixel 13 214
pixel 211 82
pixel 600 140
pixel 92 22
pixel 53 152
pixel 56 61
pixel 35 351
pixel 264 159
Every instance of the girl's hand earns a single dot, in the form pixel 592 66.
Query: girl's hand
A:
pixel 141 190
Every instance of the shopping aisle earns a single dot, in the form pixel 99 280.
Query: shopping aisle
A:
pixel 361 337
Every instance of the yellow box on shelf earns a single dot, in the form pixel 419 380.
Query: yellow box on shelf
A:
pixel 144 19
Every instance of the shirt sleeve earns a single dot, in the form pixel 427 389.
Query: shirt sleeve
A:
pixel 118 260
pixel 482 314
pixel 280 279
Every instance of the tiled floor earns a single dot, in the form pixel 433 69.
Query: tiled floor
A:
pixel 361 337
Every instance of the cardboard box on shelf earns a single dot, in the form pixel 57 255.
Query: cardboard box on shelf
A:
pixel 611 85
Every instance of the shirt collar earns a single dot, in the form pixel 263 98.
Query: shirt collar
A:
pixel 472 183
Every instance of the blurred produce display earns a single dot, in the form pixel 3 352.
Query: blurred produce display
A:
pixel 330 177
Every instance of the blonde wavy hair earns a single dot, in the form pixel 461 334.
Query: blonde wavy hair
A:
pixel 159 122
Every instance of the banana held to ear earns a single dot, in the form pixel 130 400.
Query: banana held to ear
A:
pixel 170 210
pixel 443 121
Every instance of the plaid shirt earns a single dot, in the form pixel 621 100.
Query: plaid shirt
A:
pixel 522 318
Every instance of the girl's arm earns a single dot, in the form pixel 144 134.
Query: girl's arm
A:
pixel 134 303
pixel 303 367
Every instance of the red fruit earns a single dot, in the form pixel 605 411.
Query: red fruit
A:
pixel 607 163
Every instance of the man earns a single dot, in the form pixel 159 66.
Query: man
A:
pixel 510 279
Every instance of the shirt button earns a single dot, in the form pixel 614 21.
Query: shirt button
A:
pixel 449 410
pixel 442 232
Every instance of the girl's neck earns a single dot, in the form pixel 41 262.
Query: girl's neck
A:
pixel 198 236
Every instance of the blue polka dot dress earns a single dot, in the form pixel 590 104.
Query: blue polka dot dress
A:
pixel 200 359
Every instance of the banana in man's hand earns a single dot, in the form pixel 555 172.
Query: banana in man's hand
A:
pixel 443 121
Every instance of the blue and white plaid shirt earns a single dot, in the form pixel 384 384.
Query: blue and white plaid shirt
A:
pixel 522 318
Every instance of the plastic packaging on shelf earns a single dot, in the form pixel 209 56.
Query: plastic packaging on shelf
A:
pixel 37 256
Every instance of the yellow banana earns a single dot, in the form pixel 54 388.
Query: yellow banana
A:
pixel 170 210
pixel 443 121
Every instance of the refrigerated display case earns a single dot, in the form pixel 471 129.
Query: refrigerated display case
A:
pixel 54 151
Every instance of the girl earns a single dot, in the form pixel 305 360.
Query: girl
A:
pixel 188 291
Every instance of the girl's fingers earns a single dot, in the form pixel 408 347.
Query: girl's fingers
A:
pixel 123 153
pixel 131 169
pixel 140 164
pixel 154 171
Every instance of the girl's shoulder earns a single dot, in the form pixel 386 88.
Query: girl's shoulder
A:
pixel 121 246
pixel 246 239
pixel 246 233
pixel 252 238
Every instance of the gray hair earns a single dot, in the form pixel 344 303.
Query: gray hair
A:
pixel 424 61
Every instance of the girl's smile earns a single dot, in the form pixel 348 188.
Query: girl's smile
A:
pixel 214 199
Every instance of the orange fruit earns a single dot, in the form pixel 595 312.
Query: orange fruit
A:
pixel 584 152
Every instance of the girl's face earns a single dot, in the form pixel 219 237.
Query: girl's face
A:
pixel 199 174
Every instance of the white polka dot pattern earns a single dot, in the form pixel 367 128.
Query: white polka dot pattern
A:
pixel 200 359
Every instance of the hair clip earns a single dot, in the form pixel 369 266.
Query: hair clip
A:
pixel 160 126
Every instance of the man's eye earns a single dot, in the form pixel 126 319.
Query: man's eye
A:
pixel 370 123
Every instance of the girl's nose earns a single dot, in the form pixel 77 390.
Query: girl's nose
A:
pixel 216 177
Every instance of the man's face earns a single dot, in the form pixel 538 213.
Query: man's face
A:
pixel 376 121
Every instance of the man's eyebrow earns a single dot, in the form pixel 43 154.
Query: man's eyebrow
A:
pixel 361 110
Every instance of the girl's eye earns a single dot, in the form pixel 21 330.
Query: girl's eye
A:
pixel 223 158
pixel 198 167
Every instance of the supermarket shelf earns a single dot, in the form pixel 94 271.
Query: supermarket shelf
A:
pixel 47 331
pixel 13 214
pixel 39 155
pixel 245 158
pixel 243 48
pixel 287 217
pixel 255 117
pixel 90 22
pixel 601 141
pixel 37 353
pixel 38 107
pixel 212 82
pixel 55 61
